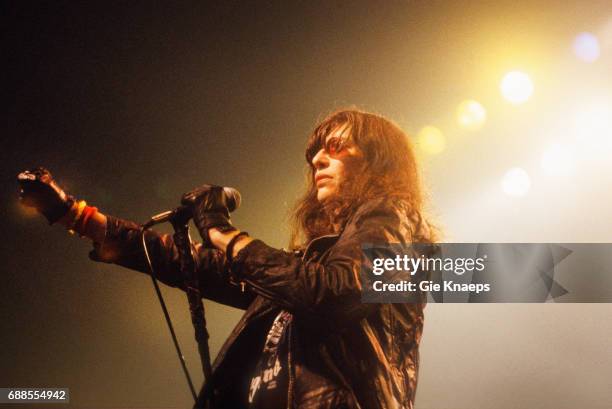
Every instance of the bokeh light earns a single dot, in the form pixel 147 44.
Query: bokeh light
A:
pixel 516 182
pixel 431 140
pixel 516 87
pixel 586 47
pixel 558 160
pixel 471 115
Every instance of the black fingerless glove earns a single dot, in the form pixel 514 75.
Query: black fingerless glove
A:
pixel 39 190
pixel 210 209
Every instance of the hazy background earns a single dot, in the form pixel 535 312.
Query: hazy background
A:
pixel 130 106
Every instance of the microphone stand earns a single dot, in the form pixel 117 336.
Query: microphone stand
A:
pixel 182 240
pixel 183 243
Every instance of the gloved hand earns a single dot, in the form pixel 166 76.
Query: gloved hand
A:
pixel 210 209
pixel 39 190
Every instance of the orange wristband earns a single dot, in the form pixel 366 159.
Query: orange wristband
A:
pixel 80 208
pixel 81 225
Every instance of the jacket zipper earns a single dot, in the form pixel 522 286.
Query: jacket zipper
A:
pixel 289 360
pixel 335 369
pixel 325 353
pixel 290 370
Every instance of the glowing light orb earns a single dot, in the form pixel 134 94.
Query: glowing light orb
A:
pixel 586 47
pixel 557 160
pixel 431 140
pixel 516 87
pixel 516 182
pixel 471 115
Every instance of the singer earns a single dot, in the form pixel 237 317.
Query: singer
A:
pixel 305 339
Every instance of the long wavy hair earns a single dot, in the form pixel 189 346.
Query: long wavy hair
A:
pixel 390 170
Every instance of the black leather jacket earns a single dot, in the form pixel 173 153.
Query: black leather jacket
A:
pixel 342 353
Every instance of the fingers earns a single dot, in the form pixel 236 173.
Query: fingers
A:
pixel 39 173
pixel 27 182
pixel 42 171
pixel 26 175
pixel 29 185
pixel 190 198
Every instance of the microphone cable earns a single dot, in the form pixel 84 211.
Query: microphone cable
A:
pixel 167 316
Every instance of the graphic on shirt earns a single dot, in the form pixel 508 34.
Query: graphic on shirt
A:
pixel 270 369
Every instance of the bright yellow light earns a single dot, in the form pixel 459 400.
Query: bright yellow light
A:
pixel 431 140
pixel 557 160
pixel 516 182
pixel 471 115
pixel 516 87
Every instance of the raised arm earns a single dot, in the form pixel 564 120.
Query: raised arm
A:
pixel 123 246
pixel 119 241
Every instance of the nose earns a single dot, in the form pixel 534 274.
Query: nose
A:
pixel 320 160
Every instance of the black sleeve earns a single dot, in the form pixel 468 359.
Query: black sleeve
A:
pixel 123 246
pixel 330 289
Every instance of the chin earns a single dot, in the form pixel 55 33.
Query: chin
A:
pixel 321 196
pixel 324 194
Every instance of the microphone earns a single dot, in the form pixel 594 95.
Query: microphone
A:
pixel 232 198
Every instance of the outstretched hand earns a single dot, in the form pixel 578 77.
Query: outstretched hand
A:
pixel 39 190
